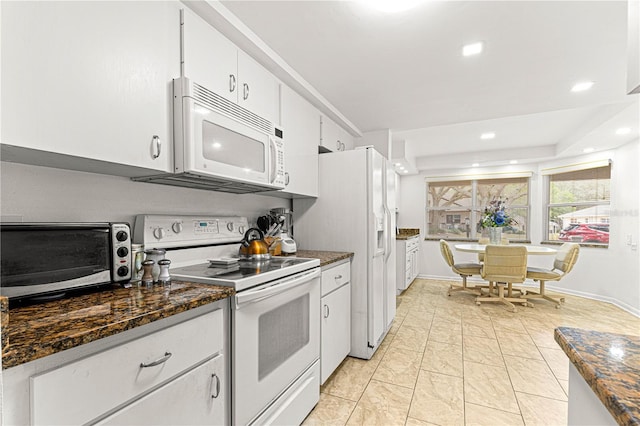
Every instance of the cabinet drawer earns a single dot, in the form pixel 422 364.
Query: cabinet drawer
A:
pixel 335 277
pixel 85 389
pixel 200 400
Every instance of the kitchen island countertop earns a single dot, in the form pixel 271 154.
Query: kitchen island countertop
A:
pixel 326 257
pixel 610 364
pixel 38 330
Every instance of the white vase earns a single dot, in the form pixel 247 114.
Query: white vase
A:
pixel 495 235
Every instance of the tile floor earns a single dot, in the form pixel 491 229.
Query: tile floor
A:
pixel 447 361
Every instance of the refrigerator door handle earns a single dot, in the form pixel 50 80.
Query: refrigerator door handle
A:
pixel 387 232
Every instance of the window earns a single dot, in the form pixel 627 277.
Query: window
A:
pixel 454 208
pixel 579 206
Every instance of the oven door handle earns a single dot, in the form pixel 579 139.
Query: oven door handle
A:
pixel 251 296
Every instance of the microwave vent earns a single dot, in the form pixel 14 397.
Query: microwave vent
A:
pixel 210 183
pixel 219 103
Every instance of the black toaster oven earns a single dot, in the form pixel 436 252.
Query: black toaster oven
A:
pixel 46 259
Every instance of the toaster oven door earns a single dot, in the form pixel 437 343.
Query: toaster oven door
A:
pixel 49 258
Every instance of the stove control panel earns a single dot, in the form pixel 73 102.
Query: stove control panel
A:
pixel 169 231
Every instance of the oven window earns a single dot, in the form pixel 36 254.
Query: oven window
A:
pixel 282 332
pixel 228 147
pixel 31 257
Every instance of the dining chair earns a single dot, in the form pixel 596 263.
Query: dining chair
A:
pixel 483 240
pixel 566 258
pixel 503 266
pixel 463 269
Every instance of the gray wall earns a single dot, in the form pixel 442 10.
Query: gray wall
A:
pixel 37 194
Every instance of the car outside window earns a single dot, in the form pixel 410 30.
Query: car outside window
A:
pixel 578 206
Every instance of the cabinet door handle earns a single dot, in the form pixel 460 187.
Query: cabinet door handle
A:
pixel 159 361
pixel 337 277
pixel 245 94
pixel 216 390
pixel 326 311
pixel 286 178
pixel 232 82
pixel 157 146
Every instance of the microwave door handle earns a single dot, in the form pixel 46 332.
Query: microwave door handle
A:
pixel 250 296
pixel 272 160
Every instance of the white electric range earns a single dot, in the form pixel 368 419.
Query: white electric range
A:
pixel 275 323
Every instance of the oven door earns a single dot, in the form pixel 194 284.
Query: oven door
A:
pixel 276 337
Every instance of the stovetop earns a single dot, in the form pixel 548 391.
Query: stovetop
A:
pixel 245 273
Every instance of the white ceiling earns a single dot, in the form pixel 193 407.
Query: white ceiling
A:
pixel 405 72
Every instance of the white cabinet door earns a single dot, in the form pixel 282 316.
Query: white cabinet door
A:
pixel 195 398
pixel 213 61
pixel 301 132
pixel 333 137
pixel 335 329
pixel 257 88
pixel 91 79
pixel 210 59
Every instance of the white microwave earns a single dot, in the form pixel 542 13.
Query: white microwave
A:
pixel 219 145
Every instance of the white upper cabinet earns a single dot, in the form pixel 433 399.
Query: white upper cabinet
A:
pixel 301 132
pixel 214 62
pixel 89 80
pixel 257 88
pixel 210 59
pixel 333 137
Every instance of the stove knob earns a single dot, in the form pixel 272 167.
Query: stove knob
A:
pixel 177 227
pixel 122 251
pixel 121 236
pixel 123 271
pixel 159 233
pixel 230 226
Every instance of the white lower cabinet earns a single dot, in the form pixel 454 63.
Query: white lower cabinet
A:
pixel 196 397
pixel 407 252
pixel 172 371
pixel 335 328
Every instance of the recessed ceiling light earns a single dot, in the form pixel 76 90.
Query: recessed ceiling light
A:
pixel 398 164
pixel 623 131
pixel 588 150
pixel 472 49
pixel 513 162
pixel 392 6
pixel 488 135
pixel 582 86
pixel 405 171
pixel 401 167
pixel 475 165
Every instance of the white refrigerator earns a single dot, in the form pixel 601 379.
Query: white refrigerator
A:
pixel 352 214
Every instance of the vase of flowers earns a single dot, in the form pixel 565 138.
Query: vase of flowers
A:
pixel 494 218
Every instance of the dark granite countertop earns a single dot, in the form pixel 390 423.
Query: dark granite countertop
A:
pixel 406 233
pixel 326 257
pixel 35 331
pixel 610 364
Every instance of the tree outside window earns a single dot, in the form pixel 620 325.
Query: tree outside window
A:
pixel 454 208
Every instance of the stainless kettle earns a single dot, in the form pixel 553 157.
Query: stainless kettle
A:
pixel 253 245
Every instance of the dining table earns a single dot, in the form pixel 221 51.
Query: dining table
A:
pixel 531 250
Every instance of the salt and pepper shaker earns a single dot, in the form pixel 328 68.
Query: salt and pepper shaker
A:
pixel 147 277
pixel 164 277
pixel 156 255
